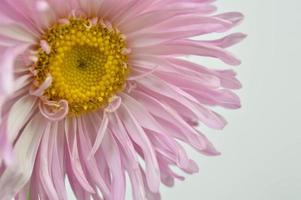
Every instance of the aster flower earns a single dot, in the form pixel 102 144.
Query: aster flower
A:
pixel 98 90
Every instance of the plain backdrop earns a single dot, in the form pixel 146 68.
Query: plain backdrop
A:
pixel 261 146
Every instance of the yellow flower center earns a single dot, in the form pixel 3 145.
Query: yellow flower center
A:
pixel 87 64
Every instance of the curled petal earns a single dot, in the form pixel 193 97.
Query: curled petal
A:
pixel 54 111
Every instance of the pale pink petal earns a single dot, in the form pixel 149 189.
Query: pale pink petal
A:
pixel 45 155
pixel 112 156
pixel 19 114
pixel 75 165
pixel 129 157
pixel 173 123
pixel 25 150
pixel 90 162
pixel 100 134
pixel 178 97
pixel 5 149
pixel 138 136
pixel 58 162
pixel 7 67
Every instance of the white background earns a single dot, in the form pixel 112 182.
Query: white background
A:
pixel 261 146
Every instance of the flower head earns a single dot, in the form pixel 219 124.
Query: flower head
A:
pixel 97 90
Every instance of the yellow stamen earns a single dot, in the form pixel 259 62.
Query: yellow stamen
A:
pixel 87 63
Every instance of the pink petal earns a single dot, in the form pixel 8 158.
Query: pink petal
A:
pixel 25 150
pixel 7 60
pixel 112 156
pixel 138 136
pixel 73 154
pixel 19 114
pixel 45 155
pixel 90 163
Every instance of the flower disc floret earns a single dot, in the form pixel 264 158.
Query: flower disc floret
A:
pixel 86 62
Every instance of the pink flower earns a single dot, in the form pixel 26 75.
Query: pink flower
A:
pixel 94 90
